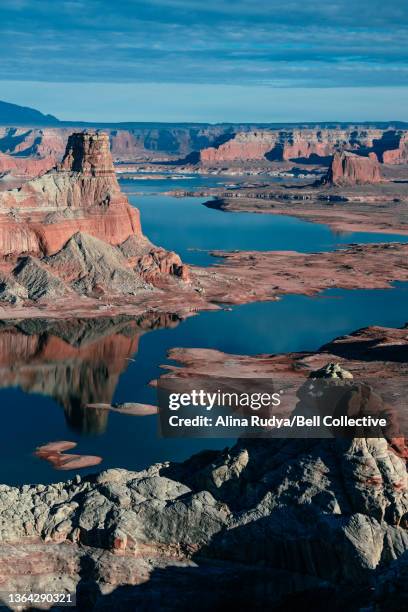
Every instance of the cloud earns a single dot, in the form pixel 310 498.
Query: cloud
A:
pixel 345 43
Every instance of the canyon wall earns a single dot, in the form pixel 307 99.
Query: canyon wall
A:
pixel 398 155
pixel 309 144
pixel 27 167
pixel 26 152
pixel 214 144
pixel 126 144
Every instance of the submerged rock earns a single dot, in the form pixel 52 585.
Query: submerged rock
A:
pixel 55 453
pixel 130 408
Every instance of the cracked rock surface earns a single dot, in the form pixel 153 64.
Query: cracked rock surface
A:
pixel 308 515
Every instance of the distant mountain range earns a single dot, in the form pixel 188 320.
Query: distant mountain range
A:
pixel 15 115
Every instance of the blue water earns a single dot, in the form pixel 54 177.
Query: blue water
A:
pixel 291 324
pixel 186 182
pixel 191 229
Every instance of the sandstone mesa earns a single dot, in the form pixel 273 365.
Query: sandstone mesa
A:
pixel 306 143
pixel 28 150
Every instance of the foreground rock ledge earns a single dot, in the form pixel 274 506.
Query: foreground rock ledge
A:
pixel 280 519
pixel 263 523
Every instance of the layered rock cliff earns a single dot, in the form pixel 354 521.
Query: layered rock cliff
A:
pixel 243 147
pixel 398 155
pixel 72 231
pixel 304 144
pixel 217 143
pixel 80 194
pixel 31 152
pixel 262 523
pixel 26 167
pixel 126 144
pixel 33 142
pixel 349 169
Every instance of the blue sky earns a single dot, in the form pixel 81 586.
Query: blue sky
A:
pixel 206 60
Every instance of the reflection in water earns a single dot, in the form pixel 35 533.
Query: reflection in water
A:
pixel 76 362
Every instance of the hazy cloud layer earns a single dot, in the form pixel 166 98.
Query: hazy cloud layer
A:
pixel 298 43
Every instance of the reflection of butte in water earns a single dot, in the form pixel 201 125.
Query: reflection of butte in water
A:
pixel 76 362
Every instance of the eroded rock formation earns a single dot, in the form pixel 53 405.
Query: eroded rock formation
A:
pixel 316 144
pixel 349 169
pixel 28 153
pixel 72 229
pixel 216 143
pixel 265 522
pixel 398 155
pixel 244 146
pixel 136 143
pixel 25 166
pixel 80 195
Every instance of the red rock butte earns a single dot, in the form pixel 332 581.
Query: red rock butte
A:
pixel 81 194
pixel 72 232
pixel 349 169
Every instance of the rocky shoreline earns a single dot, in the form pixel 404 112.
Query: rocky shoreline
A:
pixel 240 277
pixel 376 215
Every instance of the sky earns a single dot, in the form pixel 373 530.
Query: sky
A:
pixel 207 60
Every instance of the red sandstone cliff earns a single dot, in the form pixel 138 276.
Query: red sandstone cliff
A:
pixel 80 195
pixel 349 169
pixel 216 143
pixel 77 232
pixel 34 142
pixel 304 143
pixel 243 147
pixel 31 152
pixel 400 155
pixel 25 166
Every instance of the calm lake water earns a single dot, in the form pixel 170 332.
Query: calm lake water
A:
pixel 43 392
pixel 186 182
pixel 184 224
